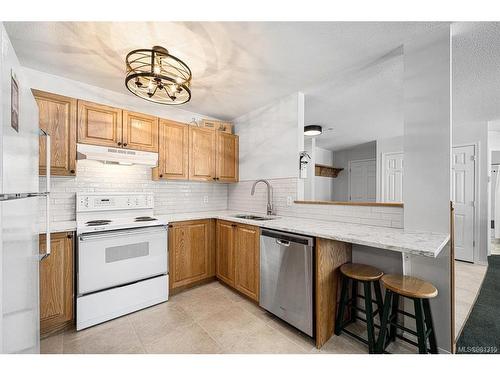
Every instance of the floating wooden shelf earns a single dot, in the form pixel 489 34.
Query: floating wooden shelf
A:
pixel 326 170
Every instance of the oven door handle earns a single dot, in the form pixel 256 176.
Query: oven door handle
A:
pixel 121 233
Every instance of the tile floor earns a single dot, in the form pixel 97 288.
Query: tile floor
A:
pixel 468 280
pixel 207 319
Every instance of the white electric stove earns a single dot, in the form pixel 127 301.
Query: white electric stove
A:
pixel 122 256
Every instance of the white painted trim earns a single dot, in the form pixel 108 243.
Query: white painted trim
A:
pixel 476 222
pixel 383 156
pixel 349 175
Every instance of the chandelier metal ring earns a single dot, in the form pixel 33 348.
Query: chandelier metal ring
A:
pixel 157 76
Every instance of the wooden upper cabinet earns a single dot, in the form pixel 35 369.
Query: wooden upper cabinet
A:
pixel 57 117
pixel 173 151
pixel 247 260
pixel 191 257
pixel 56 283
pixel 201 154
pixel 99 124
pixel 224 248
pixel 227 157
pixel 140 131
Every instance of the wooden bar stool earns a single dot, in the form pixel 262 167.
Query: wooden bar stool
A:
pixel 367 275
pixel 420 292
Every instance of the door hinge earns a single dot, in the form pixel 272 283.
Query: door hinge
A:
pixel 473 157
pixel 473 243
pixel 473 204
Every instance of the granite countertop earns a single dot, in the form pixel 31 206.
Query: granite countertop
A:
pixel 413 242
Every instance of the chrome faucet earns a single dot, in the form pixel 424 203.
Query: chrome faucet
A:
pixel 270 209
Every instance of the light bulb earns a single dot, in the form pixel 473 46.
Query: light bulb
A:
pixel 157 69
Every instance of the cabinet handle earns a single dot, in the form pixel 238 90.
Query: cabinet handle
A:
pixel 214 178
pixel 119 143
pixel 234 225
pixel 161 175
pixel 70 236
pixel 170 225
pixel 125 144
pixel 72 171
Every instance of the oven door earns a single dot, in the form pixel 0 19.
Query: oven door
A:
pixel 114 258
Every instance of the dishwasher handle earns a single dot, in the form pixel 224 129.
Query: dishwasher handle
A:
pixel 283 242
pixel 287 238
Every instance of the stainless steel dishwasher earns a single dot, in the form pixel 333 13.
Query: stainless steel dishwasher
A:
pixel 286 277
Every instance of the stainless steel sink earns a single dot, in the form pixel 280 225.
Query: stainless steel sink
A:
pixel 253 217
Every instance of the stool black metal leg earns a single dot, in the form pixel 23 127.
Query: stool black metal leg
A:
pixel 369 316
pixel 378 297
pixel 354 300
pixel 422 339
pixel 342 305
pixel 394 313
pixel 383 322
pixel 430 325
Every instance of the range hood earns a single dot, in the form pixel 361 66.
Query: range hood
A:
pixel 116 155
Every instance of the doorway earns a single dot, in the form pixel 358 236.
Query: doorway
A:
pixel 363 180
pixel 463 196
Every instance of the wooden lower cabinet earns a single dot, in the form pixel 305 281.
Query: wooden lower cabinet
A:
pixel 56 283
pixel 191 252
pixel 238 257
pixel 225 251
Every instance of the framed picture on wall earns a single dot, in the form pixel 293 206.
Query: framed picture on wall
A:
pixel 14 102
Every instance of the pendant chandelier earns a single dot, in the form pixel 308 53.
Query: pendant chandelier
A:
pixel 157 76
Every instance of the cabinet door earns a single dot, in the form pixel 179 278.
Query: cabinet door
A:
pixel 247 262
pixel 56 283
pixel 190 258
pixel 99 124
pixel 57 117
pixel 227 157
pixel 140 131
pixel 201 154
pixel 173 151
pixel 224 249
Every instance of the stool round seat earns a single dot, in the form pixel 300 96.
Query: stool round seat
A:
pixel 409 286
pixel 361 272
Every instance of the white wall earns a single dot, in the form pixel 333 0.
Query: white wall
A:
pixel 477 134
pixel 323 186
pixel 271 138
pixel 493 144
pixel 385 145
pixel 64 86
pixel 427 147
pixel 341 159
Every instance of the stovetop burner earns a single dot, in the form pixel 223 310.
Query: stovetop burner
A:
pixel 145 218
pixel 92 223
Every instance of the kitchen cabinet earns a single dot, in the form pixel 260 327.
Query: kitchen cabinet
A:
pixel 238 252
pixel 202 143
pixel 57 117
pixel 140 132
pixel 225 251
pixel 213 155
pixel 99 124
pixel 173 151
pixel 56 283
pixel 227 168
pixel 191 252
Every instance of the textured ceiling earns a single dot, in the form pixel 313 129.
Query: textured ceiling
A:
pixel 351 73
pixel 237 67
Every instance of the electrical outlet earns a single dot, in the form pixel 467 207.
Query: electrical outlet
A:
pixel 205 199
pixel 289 200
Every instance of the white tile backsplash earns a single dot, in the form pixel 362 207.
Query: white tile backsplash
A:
pixel 95 176
pixel 188 196
pixel 239 198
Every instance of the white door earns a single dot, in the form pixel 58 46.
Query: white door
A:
pixel 362 180
pixel 392 177
pixel 463 197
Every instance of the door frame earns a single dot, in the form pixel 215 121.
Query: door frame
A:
pixel 382 170
pixel 349 176
pixel 475 222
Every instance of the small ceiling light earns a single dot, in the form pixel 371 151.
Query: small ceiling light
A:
pixel 157 76
pixel 312 130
